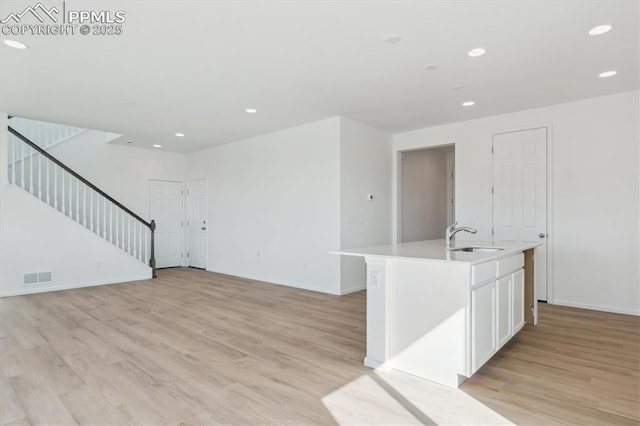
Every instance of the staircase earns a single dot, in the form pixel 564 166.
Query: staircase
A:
pixel 35 170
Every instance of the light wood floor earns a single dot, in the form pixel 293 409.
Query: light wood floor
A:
pixel 193 347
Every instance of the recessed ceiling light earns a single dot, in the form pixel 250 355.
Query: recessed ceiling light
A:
pixel 607 74
pixel 155 145
pixel 600 29
pixel 478 51
pixel 15 44
pixel 180 135
pixel 457 87
pixel 251 110
pixel 431 67
pixel 468 103
pixel 393 38
pixel 129 141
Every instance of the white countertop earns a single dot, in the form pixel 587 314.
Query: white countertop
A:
pixel 435 250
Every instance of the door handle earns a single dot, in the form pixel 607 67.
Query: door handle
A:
pixel 541 235
pixel 204 228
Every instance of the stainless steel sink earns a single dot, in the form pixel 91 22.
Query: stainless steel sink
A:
pixel 478 249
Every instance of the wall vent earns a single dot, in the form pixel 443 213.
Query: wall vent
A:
pixel 33 278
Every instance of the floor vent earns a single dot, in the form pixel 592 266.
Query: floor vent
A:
pixel 32 278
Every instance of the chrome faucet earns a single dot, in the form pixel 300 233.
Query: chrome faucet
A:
pixel 452 230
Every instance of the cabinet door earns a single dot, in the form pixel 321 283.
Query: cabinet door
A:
pixel 503 311
pixel 518 300
pixel 483 338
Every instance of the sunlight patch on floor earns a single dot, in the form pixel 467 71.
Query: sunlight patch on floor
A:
pixel 397 398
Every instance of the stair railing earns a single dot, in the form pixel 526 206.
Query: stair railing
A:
pixel 44 176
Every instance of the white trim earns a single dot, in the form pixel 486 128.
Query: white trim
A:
pixel 381 366
pixel 611 309
pixel 276 282
pixel 73 286
pixel 352 290
pixel 550 233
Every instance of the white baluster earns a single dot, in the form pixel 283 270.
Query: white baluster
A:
pixel 129 234
pixel 111 222
pixel 104 218
pixel 22 148
pixel 31 173
pixel 84 206
pixel 38 172
pixel 78 200
pixel 48 182
pixel 140 240
pixel 55 186
pixel 62 198
pixel 91 211
pixel 117 230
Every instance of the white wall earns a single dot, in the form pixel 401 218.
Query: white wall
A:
pixel 36 238
pixel 423 196
pixel 365 169
pixel 121 171
pixel 595 233
pixel 273 206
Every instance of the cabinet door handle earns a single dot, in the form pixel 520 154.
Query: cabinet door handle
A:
pixel 541 235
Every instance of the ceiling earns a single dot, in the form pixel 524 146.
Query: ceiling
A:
pixel 195 66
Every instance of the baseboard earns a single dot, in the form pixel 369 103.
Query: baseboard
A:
pixel 353 290
pixel 279 282
pixel 595 307
pixel 382 366
pixel 25 291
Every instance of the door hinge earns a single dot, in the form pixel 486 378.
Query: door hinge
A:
pixel 187 254
pixel 491 150
pixel 181 192
pixel 492 190
pixel 187 192
pixel 181 254
pixel 491 231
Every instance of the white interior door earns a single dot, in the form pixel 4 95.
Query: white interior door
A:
pixel 167 209
pixel 520 194
pixel 197 223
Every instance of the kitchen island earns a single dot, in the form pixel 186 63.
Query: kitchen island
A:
pixel 440 313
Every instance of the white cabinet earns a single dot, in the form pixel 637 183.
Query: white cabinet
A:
pixel 483 337
pixel 497 306
pixel 504 305
pixel 518 301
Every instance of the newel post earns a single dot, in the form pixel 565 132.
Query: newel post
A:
pixel 152 259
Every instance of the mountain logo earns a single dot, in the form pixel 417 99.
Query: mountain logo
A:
pixel 38 11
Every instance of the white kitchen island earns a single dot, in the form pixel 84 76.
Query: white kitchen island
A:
pixel 440 314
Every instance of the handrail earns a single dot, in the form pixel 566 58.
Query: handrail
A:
pixel 77 176
pixel 151 224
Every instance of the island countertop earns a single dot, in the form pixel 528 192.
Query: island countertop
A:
pixel 436 251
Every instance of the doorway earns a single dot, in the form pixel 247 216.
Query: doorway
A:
pixel 519 201
pixel 197 223
pixel 167 209
pixel 427 193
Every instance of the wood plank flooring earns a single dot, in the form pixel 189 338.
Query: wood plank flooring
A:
pixel 192 347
